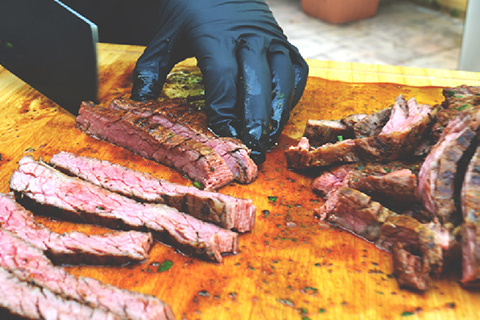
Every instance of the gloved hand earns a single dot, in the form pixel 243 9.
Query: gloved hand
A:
pixel 252 75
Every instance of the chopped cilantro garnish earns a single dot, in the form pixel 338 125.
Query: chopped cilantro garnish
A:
pixel 165 265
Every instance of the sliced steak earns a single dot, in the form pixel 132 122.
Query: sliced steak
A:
pixel 74 247
pixel 401 135
pixel 29 264
pixel 396 189
pixel 25 300
pixel 235 153
pixel 438 174
pixel 372 124
pixel 470 204
pixel 399 138
pixel 319 132
pixel 356 212
pixel 226 211
pixel 303 156
pixel 417 251
pixel 153 141
pixel 90 203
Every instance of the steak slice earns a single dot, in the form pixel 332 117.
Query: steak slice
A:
pixel 303 156
pixel 470 204
pixel 192 158
pixel 438 174
pixel 226 211
pixel 29 264
pixel 74 247
pixel 401 135
pixel 417 251
pixel 399 138
pixel 372 124
pixel 394 189
pixel 319 132
pixel 356 212
pixel 90 203
pixel 233 151
pixel 25 300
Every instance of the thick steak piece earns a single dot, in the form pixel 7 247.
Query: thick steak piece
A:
pixel 226 211
pixel 470 203
pixel 319 132
pixel 233 151
pixel 29 265
pixel 88 202
pixel 153 141
pixel 25 300
pixel 356 212
pixel 438 175
pixel 416 248
pixel 74 247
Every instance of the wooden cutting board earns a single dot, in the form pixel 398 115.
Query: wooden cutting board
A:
pixel 291 266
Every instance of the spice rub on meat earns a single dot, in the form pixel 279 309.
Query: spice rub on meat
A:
pixel 407 178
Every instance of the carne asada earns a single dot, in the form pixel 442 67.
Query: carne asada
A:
pixel 438 174
pixel 470 204
pixel 87 202
pixel 226 211
pixel 233 151
pixel 398 139
pixel 23 299
pixel 74 247
pixel 29 264
pixel 192 158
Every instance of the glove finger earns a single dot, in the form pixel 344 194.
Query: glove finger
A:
pixel 283 87
pixel 255 94
pixel 220 73
pixel 301 74
pixel 153 66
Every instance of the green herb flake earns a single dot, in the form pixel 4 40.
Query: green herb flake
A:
pixel 322 310
pixel 450 93
pixel 310 290
pixel 407 313
pixel 462 107
pixel 340 138
pixel 272 198
pixel 165 266
pixel 198 185
pixel 100 208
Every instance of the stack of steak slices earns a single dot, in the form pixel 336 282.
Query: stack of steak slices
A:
pixel 47 190
pixel 423 207
pixel 152 131
pixel 117 247
pixel 31 287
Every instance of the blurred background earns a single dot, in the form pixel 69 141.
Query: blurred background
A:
pixel 412 33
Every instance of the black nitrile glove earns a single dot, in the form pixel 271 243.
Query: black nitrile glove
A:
pixel 253 76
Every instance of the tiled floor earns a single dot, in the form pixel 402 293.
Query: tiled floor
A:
pixel 402 33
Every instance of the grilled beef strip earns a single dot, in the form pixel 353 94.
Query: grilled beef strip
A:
pixel 235 153
pixel 29 264
pixel 355 211
pixel 74 247
pixel 23 300
pixel 319 132
pixel 416 248
pixel 470 205
pixel 438 174
pixel 153 141
pixel 87 202
pixel 371 124
pixel 226 211
pixel 398 139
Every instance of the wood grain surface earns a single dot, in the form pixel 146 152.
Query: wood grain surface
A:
pixel 291 266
